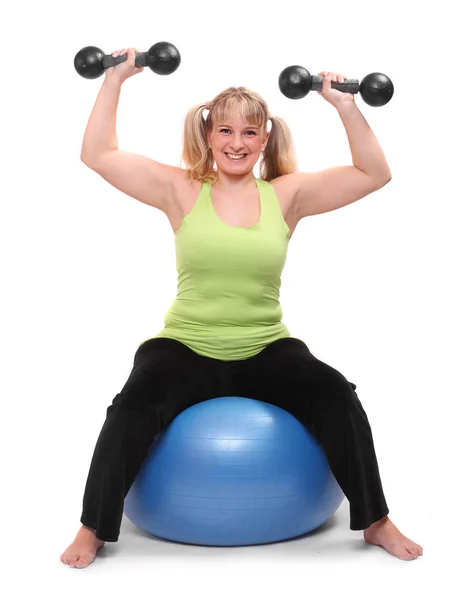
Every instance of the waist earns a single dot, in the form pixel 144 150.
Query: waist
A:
pixel 226 343
pixel 223 313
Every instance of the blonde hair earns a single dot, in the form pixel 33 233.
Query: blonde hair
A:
pixel 278 156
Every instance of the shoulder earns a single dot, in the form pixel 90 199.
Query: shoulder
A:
pixel 287 184
pixel 184 192
pixel 184 185
pixel 286 187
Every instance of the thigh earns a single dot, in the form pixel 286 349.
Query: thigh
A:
pixel 168 376
pixel 288 375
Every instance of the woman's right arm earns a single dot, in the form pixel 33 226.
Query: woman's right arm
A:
pixel 138 176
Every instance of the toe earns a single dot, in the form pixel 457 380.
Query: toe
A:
pixel 403 553
pixel 84 561
pixel 72 560
pixel 414 549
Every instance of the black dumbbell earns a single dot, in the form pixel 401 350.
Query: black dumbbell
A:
pixel 376 89
pixel 163 58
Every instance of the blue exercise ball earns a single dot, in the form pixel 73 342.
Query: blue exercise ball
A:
pixel 233 471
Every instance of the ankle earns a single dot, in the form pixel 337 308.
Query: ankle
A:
pixel 377 524
pixel 89 529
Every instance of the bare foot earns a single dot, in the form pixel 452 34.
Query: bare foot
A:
pixel 82 551
pixel 384 533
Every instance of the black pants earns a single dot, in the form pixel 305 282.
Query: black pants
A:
pixel 168 377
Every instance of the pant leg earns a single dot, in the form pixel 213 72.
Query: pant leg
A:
pixel 167 377
pixel 286 374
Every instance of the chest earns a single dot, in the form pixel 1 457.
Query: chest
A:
pixel 242 211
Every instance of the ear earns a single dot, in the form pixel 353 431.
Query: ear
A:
pixel 265 141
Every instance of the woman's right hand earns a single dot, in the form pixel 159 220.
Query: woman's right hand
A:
pixel 126 69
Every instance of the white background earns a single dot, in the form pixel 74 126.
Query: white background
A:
pixel 88 274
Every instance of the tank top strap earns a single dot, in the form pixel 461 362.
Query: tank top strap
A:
pixel 271 208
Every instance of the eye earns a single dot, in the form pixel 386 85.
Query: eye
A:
pixel 250 131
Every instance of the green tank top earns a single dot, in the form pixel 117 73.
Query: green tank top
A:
pixel 227 305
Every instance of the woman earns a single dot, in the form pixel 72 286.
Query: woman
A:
pixel 223 334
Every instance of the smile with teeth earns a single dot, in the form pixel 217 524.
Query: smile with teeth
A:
pixel 235 156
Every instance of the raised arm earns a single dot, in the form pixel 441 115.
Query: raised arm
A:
pixel 137 176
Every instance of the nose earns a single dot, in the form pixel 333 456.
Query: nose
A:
pixel 236 142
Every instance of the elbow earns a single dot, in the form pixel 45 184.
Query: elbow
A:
pixel 88 161
pixel 383 181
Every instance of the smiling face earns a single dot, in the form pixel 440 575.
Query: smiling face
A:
pixel 237 140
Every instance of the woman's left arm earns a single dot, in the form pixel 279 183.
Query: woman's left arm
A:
pixel 333 188
pixel 366 152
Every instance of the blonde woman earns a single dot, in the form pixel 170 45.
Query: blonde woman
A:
pixel 223 334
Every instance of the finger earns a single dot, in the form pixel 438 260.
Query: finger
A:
pixel 326 85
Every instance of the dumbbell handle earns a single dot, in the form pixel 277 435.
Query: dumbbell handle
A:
pixel 110 61
pixel 350 86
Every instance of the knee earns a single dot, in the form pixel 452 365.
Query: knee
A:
pixel 133 401
pixel 337 379
pixel 337 392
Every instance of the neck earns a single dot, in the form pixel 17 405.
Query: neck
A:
pixel 235 183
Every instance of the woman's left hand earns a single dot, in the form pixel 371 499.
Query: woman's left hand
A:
pixel 334 97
